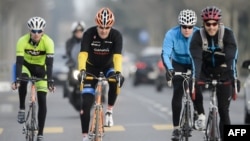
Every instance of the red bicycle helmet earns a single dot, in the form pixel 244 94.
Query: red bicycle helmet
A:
pixel 211 13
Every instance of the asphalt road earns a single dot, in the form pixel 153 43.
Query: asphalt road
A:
pixel 141 114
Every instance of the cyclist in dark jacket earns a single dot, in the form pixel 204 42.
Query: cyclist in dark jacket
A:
pixel 215 61
pixel 101 50
pixel 73 44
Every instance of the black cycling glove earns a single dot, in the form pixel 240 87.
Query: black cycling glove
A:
pixel 120 77
pixel 51 85
pixel 169 74
pixel 82 75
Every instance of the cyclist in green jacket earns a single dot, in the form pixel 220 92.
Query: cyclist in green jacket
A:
pixel 34 57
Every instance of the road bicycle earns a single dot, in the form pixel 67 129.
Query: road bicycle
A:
pixel 186 120
pixel 212 132
pixel 96 129
pixel 30 125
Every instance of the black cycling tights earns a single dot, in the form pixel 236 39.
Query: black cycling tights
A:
pixel 42 106
pixel 87 102
pixel 177 99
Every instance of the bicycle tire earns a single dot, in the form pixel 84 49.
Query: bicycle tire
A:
pixel 32 124
pixel 98 136
pixel 186 123
pixel 183 126
pixel 212 130
pixel 215 125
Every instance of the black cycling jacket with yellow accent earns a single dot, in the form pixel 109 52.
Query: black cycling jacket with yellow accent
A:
pixel 214 58
pixel 99 52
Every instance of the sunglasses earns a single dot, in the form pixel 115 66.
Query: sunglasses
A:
pixel 211 24
pixel 104 27
pixel 36 31
pixel 185 27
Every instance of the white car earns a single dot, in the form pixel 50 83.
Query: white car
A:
pixel 246 91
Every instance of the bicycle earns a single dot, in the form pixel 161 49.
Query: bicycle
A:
pixel 30 125
pixel 96 129
pixel 212 132
pixel 186 121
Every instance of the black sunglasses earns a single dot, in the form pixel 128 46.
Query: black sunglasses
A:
pixel 185 27
pixel 104 27
pixel 36 31
pixel 209 24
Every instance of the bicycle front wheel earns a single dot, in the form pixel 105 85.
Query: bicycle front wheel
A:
pixel 31 125
pixel 186 123
pixel 99 129
pixel 212 130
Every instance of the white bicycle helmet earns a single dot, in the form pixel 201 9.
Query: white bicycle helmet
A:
pixel 36 23
pixel 78 25
pixel 187 17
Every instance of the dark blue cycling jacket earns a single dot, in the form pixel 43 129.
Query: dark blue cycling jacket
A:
pixel 176 47
pixel 214 60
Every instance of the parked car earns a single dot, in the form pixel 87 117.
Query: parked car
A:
pixel 60 70
pixel 160 81
pixel 128 64
pixel 246 91
pixel 146 63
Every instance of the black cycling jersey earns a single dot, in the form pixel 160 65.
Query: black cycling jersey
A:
pixel 100 51
pixel 214 60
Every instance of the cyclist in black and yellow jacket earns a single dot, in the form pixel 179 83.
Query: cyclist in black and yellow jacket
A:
pixel 34 57
pixel 101 50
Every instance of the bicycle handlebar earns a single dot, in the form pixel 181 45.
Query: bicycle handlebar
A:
pixel 188 73
pixel 32 79
pixel 215 82
pixel 101 77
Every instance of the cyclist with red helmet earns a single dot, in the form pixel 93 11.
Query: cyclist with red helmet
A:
pixel 215 60
pixel 101 50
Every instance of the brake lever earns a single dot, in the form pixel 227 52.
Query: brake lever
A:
pixel 119 82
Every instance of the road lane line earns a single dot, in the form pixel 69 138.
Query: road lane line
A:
pixel 163 126
pixel 116 128
pixel 53 130
pixel 1 131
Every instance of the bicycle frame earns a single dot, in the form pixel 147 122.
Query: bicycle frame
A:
pixel 212 132
pixel 96 129
pixel 186 122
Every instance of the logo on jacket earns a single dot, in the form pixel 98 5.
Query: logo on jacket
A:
pixel 33 52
